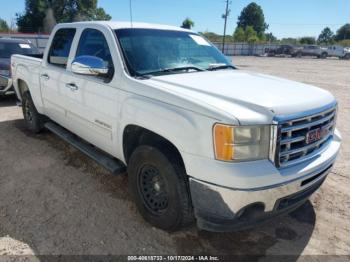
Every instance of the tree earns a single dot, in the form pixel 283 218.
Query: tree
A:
pixel 187 23
pixel 253 15
pixel 4 26
pixel 239 35
pixel 32 19
pixel 343 33
pixel 307 40
pixel 345 43
pixel 270 38
pixel 290 40
pixel 101 15
pixel 250 35
pixel 326 36
pixel 41 15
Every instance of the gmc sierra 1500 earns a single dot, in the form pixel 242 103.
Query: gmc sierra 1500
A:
pixel 200 139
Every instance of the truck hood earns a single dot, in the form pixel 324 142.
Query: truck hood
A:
pixel 228 90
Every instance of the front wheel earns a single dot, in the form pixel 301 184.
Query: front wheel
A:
pixel 324 56
pixel 159 186
pixel 33 120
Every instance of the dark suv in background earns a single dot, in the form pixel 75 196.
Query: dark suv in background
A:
pixel 9 47
pixel 283 50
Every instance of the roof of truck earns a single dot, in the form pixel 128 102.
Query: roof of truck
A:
pixel 125 24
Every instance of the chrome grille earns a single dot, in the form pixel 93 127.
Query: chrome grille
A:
pixel 293 146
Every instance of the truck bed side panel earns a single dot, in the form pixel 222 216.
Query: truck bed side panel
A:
pixel 27 69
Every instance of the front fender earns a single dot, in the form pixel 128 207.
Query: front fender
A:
pixel 188 131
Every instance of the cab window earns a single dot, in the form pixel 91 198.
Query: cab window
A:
pixel 60 47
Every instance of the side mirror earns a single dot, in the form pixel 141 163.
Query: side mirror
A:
pixel 89 65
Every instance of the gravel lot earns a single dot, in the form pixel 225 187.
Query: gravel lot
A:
pixel 54 200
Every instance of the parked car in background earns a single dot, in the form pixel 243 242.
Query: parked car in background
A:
pixel 312 50
pixel 9 47
pixel 282 50
pixel 339 51
pixel 200 140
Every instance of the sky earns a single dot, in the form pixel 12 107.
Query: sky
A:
pixel 293 18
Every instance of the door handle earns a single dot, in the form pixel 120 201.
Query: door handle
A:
pixel 45 76
pixel 72 86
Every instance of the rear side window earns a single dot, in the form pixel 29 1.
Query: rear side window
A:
pixel 60 47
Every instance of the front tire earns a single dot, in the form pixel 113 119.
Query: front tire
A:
pixel 33 120
pixel 159 187
pixel 324 56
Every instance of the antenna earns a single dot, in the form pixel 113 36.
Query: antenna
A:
pixel 130 12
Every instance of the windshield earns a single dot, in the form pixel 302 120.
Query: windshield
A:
pixel 157 52
pixel 9 49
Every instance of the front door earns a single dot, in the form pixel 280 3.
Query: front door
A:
pixel 92 100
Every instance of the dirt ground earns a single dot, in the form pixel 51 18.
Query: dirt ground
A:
pixel 56 201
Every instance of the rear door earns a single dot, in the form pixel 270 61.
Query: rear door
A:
pixel 53 75
pixel 92 101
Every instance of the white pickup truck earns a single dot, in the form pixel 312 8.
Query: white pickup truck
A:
pixel 200 140
pixel 338 51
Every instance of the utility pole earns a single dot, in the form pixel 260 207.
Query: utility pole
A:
pixel 225 16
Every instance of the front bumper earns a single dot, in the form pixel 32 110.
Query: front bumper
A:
pixel 222 209
pixel 6 85
pixel 230 207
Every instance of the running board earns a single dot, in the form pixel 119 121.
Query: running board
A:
pixel 115 166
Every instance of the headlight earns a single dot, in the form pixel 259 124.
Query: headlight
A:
pixel 241 143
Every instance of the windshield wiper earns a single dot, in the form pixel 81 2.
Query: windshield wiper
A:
pixel 214 67
pixel 175 69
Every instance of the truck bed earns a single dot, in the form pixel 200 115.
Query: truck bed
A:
pixel 28 67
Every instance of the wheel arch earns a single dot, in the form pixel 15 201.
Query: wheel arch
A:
pixel 135 136
pixel 22 87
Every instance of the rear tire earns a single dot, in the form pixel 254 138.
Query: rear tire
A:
pixel 33 120
pixel 159 187
pixel 324 56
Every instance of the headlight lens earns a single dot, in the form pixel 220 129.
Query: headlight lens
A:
pixel 241 143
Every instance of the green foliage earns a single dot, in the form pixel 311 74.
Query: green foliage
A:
pixel 239 35
pixel 251 35
pixel 345 43
pixel 262 37
pixel 307 40
pixel 326 36
pixel 269 37
pixel 101 15
pixel 215 38
pixel 187 23
pixel 4 26
pixel 253 15
pixel 36 12
pixel 32 19
pixel 343 33
pixel 289 40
